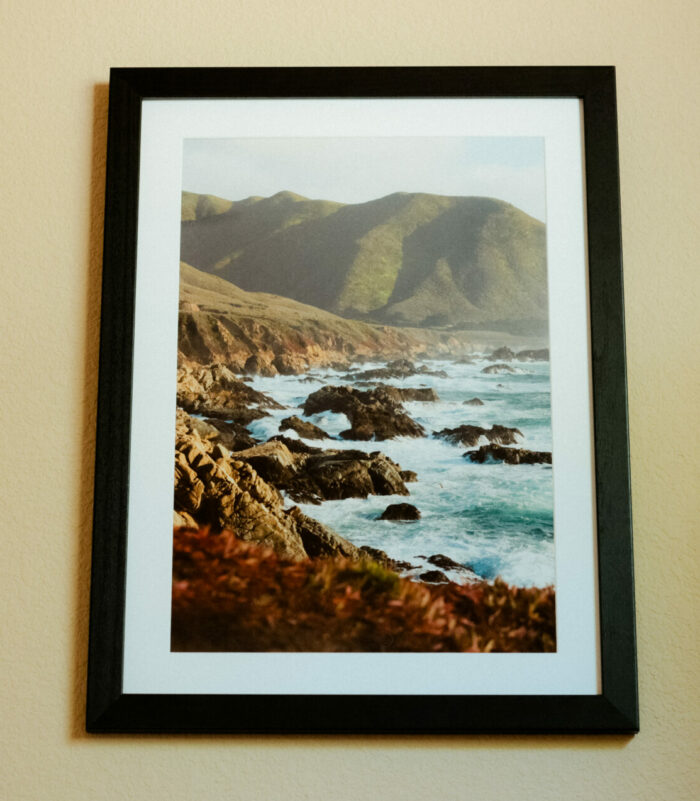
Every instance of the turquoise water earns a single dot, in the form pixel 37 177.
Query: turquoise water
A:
pixel 495 518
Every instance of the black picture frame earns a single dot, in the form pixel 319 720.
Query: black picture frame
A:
pixel 615 708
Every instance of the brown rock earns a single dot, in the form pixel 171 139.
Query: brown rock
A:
pixel 232 435
pixel 384 560
pixel 256 366
pixel 434 577
pixel 470 435
pixel 474 402
pixel 216 392
pixel 373 414
pixel 290 364
pixel 400 511
pixel 215 490
pixel 295 445
pixel 498 369
pixel 508 455
pixel 303 428
pixel 183 520
pixel 333 475
pixel 272 461
pixel 399 368
pixel 541 355
pixel 504 354
pixel 319 540
pixel 386 476
pixel 400 394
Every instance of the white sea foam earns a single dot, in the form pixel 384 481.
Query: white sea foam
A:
pixel 496 518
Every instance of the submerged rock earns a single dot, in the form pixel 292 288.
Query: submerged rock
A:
pixel 399 368
pixel 470 435
pixel 440 560
pixel 473 402
pixel 400 511
pixel 508 455
pixel 498 369
pixel 434 577
pixel 541 355
pixel 460 572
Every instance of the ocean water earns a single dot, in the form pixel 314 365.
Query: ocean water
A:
pixel 495 518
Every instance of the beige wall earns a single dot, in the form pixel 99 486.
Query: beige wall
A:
pixel 54 65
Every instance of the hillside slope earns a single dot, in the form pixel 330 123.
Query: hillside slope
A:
pixel 404 259
pixel 219 322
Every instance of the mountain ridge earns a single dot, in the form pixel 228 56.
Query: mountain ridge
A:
pixel 404 259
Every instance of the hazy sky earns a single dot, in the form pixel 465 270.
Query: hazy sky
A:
pixel 354 170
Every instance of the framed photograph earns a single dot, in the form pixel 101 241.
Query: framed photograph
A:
pixel 362 456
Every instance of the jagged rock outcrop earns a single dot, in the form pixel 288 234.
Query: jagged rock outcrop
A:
pixel 256 365
pixel 312 475
pixel 381 558
pixel 220 322
pixel 399 368
pixel 402 394
pixel 303 428
pixel 290 364
pixel 504 354
pixel 232 435
pixel 373 414
pixel 465 572
pixel 319 540
pixel 508 455
pixel 213 488
pixel 470 435
pixel 215 391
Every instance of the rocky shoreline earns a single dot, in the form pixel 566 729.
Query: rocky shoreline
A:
pixel 227 480
pixel 257 333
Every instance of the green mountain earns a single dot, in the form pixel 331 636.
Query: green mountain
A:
pixel 404 259
pixel 197 207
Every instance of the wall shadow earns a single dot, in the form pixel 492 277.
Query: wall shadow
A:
pixel 91 323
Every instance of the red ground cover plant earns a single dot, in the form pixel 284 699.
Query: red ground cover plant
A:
pixel 229 595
